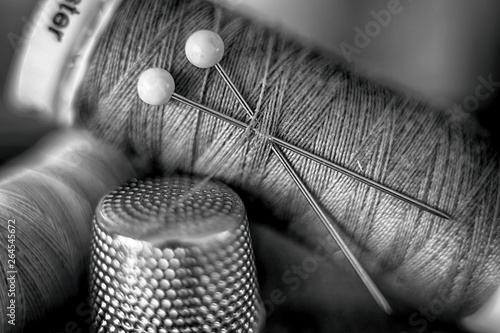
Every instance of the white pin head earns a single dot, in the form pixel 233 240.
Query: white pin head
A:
pixel 156 86
pixel 204 49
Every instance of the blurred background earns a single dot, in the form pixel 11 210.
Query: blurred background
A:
pixel 439 50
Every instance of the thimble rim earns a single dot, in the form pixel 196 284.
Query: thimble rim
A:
pixel 157 229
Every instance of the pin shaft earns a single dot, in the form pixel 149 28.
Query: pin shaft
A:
pixel 353 261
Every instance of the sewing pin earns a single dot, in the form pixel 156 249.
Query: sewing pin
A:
pixel 205 49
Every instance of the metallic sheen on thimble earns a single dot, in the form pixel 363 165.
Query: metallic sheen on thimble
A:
pixel 173 255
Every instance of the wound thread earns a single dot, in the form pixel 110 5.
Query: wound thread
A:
pixel 51 194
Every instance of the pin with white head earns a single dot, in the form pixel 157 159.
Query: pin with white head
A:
pixel 156 87
pixel 205 49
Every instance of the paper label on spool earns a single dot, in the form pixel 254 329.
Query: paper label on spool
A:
pixel 61 37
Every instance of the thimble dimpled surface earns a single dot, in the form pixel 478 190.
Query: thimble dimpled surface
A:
pixel 171 256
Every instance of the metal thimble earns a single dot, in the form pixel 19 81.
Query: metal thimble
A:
pixel 173 255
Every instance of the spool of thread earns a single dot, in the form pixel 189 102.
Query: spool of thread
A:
pixel 319 105
pixel 51 194
pixel 173 255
